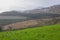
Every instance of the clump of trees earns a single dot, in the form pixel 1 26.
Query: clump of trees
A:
pixel 0 28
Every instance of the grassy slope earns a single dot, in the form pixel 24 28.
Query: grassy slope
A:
pixel 40 33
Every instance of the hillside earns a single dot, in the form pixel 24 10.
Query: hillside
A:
pixel 26 16
pixel 13 19
pixel 51 9
pixel 31 23
pixel 12 15
pixel 51 32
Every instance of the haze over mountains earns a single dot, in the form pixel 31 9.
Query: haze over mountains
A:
pixel 52 11
pixel 43 16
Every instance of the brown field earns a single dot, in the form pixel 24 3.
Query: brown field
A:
pixel 29 23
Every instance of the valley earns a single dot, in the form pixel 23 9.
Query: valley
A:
pixel 29 19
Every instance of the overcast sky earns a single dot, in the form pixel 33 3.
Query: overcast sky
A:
pixel 6 5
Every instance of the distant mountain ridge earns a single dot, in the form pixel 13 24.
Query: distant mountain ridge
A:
pixel 52 9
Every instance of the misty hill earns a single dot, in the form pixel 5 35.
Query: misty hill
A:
pixel 30 18
pixel 12 15
pixel 20 15
pixel 51 9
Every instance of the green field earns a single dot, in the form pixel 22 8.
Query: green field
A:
pixel 51 32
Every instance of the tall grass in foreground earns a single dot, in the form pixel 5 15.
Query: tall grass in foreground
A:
pixel 51 32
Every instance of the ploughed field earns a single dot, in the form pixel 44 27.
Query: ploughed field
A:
pixel 51 32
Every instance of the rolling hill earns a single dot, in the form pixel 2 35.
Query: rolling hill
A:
pixel 51 32
pixel 30 24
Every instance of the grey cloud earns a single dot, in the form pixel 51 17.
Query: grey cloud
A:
pixel 30 4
